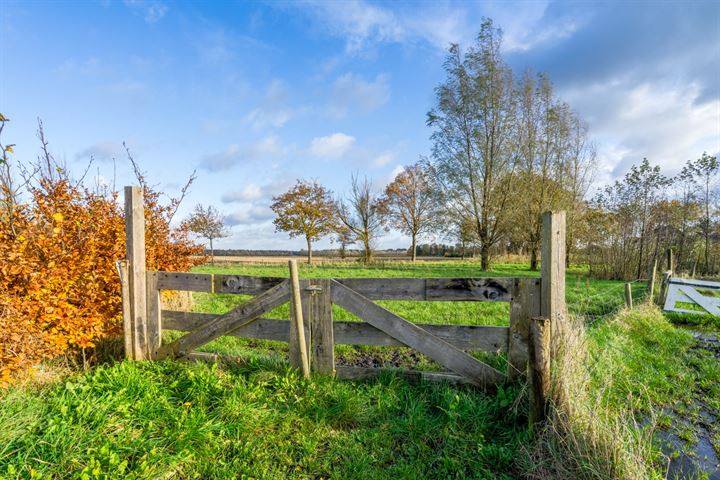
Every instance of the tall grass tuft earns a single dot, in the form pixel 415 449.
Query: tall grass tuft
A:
pixel 583 438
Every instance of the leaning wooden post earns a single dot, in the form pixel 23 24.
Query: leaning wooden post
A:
pixel 135 251
pixel 298 324
pixel 628 295
pixel 651 282
pixel 539 370
pixel 670 261
pixel 663 287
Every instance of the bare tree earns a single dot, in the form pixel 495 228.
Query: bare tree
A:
pixel 361 214
pixel 207 223
pixel 409 203
pixel 306 209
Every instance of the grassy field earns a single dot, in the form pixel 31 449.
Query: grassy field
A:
pixel 258 419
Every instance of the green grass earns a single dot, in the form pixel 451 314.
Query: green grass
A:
pixel 258 419
pixel 175 420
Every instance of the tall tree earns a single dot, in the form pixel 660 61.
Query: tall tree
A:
pixel 706 170
pixel 361 213
pixel 306 209
pixel 207 223
pixel 409 203
pixel 473 125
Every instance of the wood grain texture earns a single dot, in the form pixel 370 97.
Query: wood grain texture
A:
pixel 244 284
pixel 364 373
pixel 299 357
pixel 321 326
pixel 526 305
pixel 122 267
pixel 135 254
pixel 413 336
pixel 154 318
pixel 191 282
pixel 539 369
pixel 227 322
pixel 552 305
pixel 466 337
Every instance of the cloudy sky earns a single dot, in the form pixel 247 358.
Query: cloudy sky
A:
pixel 256 94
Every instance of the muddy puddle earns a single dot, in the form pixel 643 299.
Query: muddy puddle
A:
pixel 688 442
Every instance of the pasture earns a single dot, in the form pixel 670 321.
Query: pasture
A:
pixel 256 418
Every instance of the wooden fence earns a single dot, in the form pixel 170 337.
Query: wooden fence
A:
pixel 535 303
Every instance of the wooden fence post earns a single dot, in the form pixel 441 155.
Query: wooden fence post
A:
pixel 135 251
pixel 628 295
pixel 552 303
pixel 319 308
pixel 154 325
pixel 670 260
pixel 539 369
pixel 663 287
pixel 525 305
pixel 298 346
pixel 122 266
pixel 651 282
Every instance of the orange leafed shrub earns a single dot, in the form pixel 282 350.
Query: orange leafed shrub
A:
pixel 59 287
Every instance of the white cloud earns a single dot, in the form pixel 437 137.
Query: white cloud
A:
pixel 383 159
pixel 151 10
pixel 331 146
pixel 267 147
pixel 273 111
pixel 103 151
pixel 351 92
pixel 250 216
pixel 392 174
pixel 631 121
pixel 253 192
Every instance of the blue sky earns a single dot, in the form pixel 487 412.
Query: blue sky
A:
pixel 256 94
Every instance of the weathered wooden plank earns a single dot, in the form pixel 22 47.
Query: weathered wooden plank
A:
pixel 244 284
pixel 552 303
pixel 525 305
pixel 708 303
pixel 470 289
pixel 387 288
pixel 364 373
pixel 694 282
pixel 154 319
pixel 433 289
pixel 628 295
pixel 321 326
pixel 466 337
pixel 299 354
pixel 191 282
pixel 227 322
pixel 122 266
pixel 135 252
pixel 261 328
pixel 415 337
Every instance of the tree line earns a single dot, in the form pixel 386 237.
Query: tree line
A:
pixel 505 148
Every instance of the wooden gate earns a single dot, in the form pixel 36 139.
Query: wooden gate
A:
pixel 448 345
pixel 703 294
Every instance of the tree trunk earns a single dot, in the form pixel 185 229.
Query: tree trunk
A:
pixel 414 248
pixel 485 257
pixel 212 254
pixel 309 244
pixel 368 252
pixel 533 258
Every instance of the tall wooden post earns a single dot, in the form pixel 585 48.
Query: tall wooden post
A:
pixel 298 346
pixel 652 272
pixel 135 252
pixel 552 302
pixel 670 260
pixel 628 295
pixel 319 309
